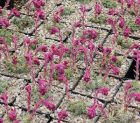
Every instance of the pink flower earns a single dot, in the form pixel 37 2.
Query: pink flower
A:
pixel 38 3
pixel 15 12
pixel 137 96
pixel 113 58
pixel 115 70
pixel 2 40
pixel 129 3
pixel 126 32
pixel 62 115
pixel 0 9
pixel 121 22
pixel 56 17
pixel 77 24
pixel 54 30
pixel 103 90
pixel 29 58
pixel 107 50
pixel 128 85
pixel 4 22
pixel 83 8
pixel 137 21
pixel 113 11
pixel 60 69
pixel 39 13
pixel 49 105
pixel 14 60
pixel 48 57
pixel 57 14
pixel 86 77
pixel 15 40
pixel 111 22
pixel 28 89
pixel 36 61
pixel 1 120
pixel 12 114
pixel 4 97
pixel 42 86
pixel 97 8
pixel 90 33
pixel 91 111
pixel 16 121
pixel 41 48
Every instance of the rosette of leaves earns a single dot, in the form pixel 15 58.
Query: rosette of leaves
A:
pixel 100 20
pixel 7 34
pixel 77 107
pixel 96 83
pixel 135 86
pixel 119 61
pixel 3 85
pixel 131 24
pixel 68 73
pixel 109 4
pixel 84 1
pixel 119 116
pixel 23 22
pixel 36 95
pixel 26 118
pixel 68 11
pixel 21 66
pixel 123 43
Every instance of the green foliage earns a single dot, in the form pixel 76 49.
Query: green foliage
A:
pixel 84 1
pixel 27 119
pixel 124 43
pixel 109 4
pixel 77 107
pixel 131 24
pixel 21 66
pixel 3 86
pixel 35 94
pixel 132 12
pixel 119 116
pixel 68 73
pixel 119 61
pixel 100 20
pixel 136 86
pixel 68 11
pixel 96 83
pixel 7 34
pixel 23 23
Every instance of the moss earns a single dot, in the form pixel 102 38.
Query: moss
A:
pixel 109 4
pixel 77 107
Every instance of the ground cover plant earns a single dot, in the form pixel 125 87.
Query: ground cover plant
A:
pixel 70 61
